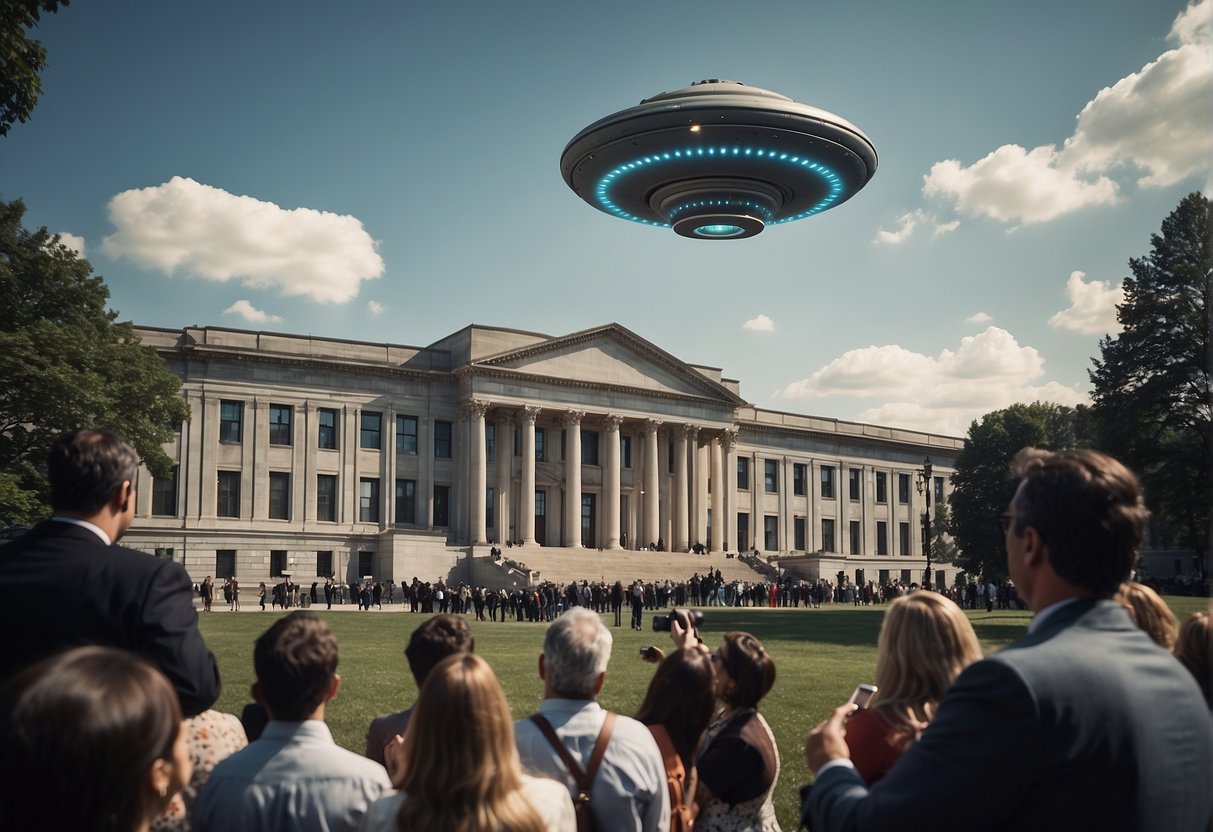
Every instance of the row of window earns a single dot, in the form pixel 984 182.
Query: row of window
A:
pixel 280 563
pixel 326 499
pixel 370 429
pixel 771 535
pixel 800 481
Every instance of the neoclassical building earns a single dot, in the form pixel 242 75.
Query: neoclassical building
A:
pixel 313 457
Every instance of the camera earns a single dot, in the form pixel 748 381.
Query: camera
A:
pixel 661 623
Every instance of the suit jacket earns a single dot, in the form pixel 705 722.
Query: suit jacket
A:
pixel 1083 724
pixel 381 731
pixel 61 587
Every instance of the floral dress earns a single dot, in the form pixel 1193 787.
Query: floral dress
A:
pixel 213 736
pixel 738 740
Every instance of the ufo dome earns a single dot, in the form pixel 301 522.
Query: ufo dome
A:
pixel 718 160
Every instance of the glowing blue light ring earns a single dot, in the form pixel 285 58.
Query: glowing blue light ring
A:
pixel 833 180
pixel 747 204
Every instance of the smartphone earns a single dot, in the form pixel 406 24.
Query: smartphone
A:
pixel 862 695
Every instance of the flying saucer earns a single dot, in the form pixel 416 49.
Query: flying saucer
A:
pixel 718 161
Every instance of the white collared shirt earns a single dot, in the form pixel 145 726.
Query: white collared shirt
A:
pixel 84 524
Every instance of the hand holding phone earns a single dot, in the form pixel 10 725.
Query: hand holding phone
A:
pixel 862 695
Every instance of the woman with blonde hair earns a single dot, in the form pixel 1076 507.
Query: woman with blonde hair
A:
pixel 1192 648
pixel 925 642
pixel 1149 612
pixel 458 769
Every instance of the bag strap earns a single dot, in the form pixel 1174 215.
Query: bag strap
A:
pixel 583 777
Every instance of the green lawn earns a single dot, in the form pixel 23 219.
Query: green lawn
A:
pixel 820 656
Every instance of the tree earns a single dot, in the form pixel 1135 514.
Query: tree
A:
pixel 66 363
pixel 983 485
pixel 21 59
pixel 1152 400
pixel 943 548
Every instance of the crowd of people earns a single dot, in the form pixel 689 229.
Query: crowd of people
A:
pixel 1100 718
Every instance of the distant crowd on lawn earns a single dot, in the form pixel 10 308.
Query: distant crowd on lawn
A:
pixel 1099 718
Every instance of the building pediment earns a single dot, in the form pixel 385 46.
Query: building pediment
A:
pixel 609 357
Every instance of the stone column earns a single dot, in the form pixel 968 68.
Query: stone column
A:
pixel 310 441
pixel 652 498
pixel 572 478
pixel 610 482
pixel 728 444
pixel 479 486
pixel 255 473
pixel 720 543
pixel 682 529
pixel 701 473
pixel 527 504
pixel 203 491
pixel 505 475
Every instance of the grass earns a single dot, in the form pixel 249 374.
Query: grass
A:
pixel 820 656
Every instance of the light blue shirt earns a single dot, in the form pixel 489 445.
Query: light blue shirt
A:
pixel 630 790
pixel 293 778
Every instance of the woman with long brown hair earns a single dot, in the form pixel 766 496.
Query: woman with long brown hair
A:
pixel 925 642
pixel 458 769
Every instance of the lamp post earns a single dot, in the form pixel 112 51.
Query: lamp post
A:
pixel 924 486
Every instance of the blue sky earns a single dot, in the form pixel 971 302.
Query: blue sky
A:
pixel 390 172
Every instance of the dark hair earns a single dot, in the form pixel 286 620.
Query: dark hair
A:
pixel 87 467
pixel 295 661
pixel 1088 509
pixel 681 698
pixel 753 671
pixel 441 636
pixel 79 733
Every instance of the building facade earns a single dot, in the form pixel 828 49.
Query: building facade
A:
pixel 313 457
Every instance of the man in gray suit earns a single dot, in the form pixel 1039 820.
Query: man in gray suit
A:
pixel 1083 724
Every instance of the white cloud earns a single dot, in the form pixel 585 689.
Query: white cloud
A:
pixel 1152 125
pixel 72 241
pixel 212 234
pixel 251 314
pixel 1092 309
pixel 375 308
pixel 761 323
pixel 979 319
pixel 944 394
pixel 909 222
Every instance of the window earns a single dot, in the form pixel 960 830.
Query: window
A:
pixel 827 534
pixel 324 564
pixel 903 488
pixel 406 434
pixel 743 530
pixel 743 474
pixel 229 494
pixel 539 442
pixel 442 440
pixel 442 505
pixel 884 577
pixel 164 552
pixel 882 487
pixel 365 563
pixel 164 495
pixel 827 484
pixel 938 490
pixel 326 497
pixel 589 447
pixel 854 537
pixel 903 538
pixel 280 496
pixel 856 477
pixel 798 534
pixel 882 537
pixel 799 472
pixel 327 420
pixel 489 514
pixel 770 533
pixel 625 451
pixel 280 424
pixel 905 577
pixel 368 500
pixel 230 416
pixel 490 441
pixel 770 475
pixel 406 501
pixel 277 562
pixel 225 563
pixel 371 433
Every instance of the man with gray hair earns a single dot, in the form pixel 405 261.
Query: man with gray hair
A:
pixel 627 787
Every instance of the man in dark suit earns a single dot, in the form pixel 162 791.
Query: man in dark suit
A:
pixel 112 595
pixel 1083 724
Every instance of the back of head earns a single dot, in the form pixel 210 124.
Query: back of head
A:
pixel 87 467
pixel 295 661
pixel 925 642
pixel 1089 511
pixel 1193 647
pixel 461 768
pixel 79 733
pixel 681 698
pixel 576 651
pixel 749 666
pixel 441 636
pixel 1149 612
